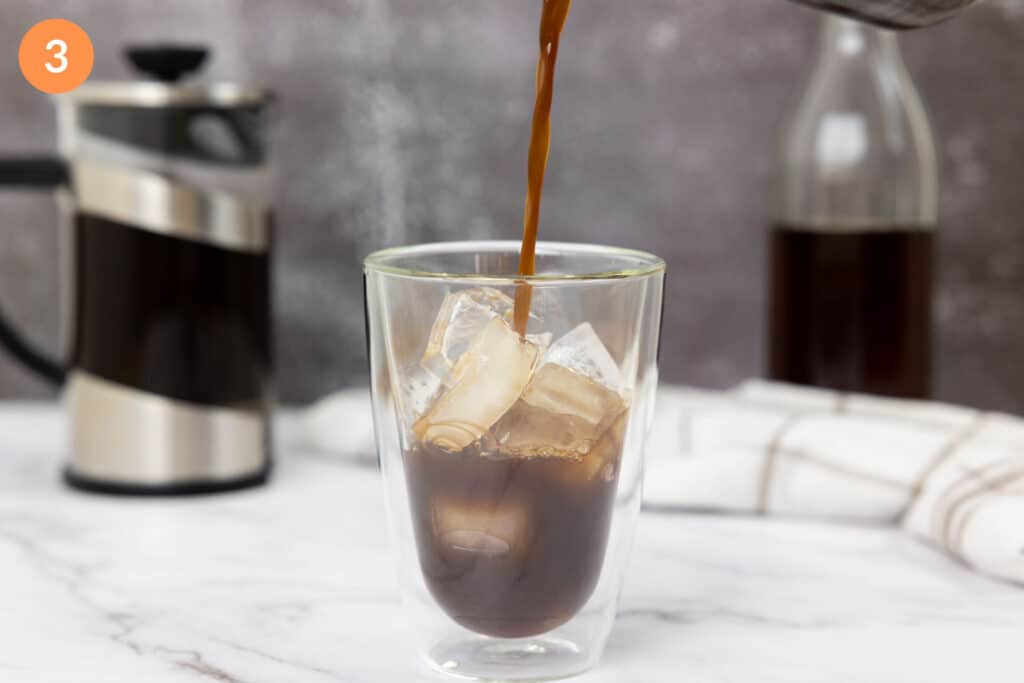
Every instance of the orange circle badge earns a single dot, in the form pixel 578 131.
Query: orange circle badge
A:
pixel 55 56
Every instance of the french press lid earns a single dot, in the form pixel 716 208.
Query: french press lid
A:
pixel 164 66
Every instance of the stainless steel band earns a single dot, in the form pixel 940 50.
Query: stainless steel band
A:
pixel 153 94
pixel 125 436
pixel 152 202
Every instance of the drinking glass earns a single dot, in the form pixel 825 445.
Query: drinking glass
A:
pixel 512 464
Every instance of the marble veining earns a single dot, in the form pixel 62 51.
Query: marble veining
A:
pixel 294 583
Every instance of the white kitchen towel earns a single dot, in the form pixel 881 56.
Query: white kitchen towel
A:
pixel 341 424
pixel 951 476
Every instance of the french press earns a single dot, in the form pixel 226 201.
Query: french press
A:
pixel 162 191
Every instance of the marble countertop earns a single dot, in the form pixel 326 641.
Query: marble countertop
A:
pixel 293 582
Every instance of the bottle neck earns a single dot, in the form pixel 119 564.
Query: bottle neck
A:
pixel 858 148
pixel 847 39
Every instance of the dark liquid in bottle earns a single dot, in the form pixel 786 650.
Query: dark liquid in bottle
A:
pixel 169 316
pixel 512 546
pixel 851 310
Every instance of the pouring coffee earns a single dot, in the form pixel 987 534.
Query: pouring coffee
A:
pixel 162 191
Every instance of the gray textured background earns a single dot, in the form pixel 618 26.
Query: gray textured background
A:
pixel 406 120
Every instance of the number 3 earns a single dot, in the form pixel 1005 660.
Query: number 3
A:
pixel 60 55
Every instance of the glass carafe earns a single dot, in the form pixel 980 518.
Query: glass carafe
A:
pixel 853 232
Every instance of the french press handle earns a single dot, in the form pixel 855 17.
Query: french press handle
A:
pixel 31 173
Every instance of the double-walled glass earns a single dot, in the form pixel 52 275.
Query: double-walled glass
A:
pixel 513 464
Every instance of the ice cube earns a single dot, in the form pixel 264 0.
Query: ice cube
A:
pixel 417 391
pixel 603 460
pixel 547 311
pixel 485 382
pixel 525 431
pixel 491 528
pixel 571 402
pixel 561 414
pixel 461 318
pixel 582 351
pixel 561 390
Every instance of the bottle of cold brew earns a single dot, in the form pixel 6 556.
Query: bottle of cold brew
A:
pixel 852 240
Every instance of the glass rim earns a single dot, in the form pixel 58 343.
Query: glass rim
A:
pixel 650 264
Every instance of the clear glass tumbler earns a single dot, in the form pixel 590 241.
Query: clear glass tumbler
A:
pixel 512 462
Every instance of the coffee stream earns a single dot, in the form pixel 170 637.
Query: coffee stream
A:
pixel 552 22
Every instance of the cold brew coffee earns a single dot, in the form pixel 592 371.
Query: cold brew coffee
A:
pixel 851 309
pixel 513 545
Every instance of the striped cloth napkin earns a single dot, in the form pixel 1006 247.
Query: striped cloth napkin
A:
pixel 951 476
